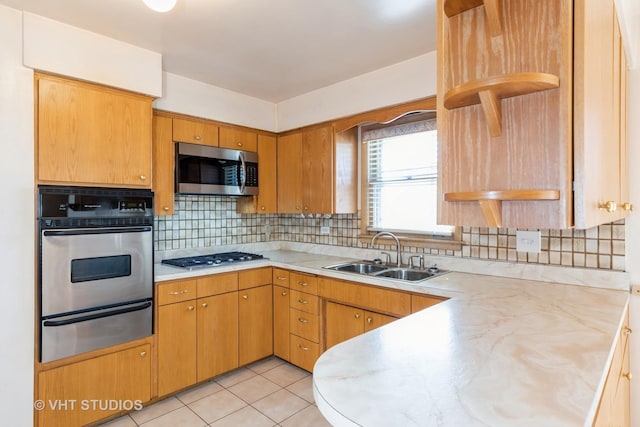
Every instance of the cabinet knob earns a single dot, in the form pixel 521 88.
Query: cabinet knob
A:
pixel 197 137
pixel 239 144
pixel 609 206
pixel 143 177
pixel 281 278
pixel 245 296
pixel 297 208
pixel 205 305
pixel 301 347
pixel 627 330
pixel 357 315
pixel 369 320
pixel 628 376
pixel 627 206
pixel 301 301
pixel 284 294
pixel 143 353
pixel 306 208
pixel 190 308
pixel 166 208
pixel 303 320
pixel 262 208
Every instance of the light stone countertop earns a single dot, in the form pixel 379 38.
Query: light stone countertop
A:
pixel 500 352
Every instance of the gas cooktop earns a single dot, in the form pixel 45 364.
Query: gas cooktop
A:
pixel 212 260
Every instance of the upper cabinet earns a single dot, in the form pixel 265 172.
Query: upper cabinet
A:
pixel 266 201
pixel 530 120
pixel 317 171
pixel 163 165
pixel 91 135
pixel 195 131
pixel 238 139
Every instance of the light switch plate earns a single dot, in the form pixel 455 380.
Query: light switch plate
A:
pixel 527 241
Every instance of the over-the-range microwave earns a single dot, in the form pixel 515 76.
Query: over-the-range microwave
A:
pixel 202 169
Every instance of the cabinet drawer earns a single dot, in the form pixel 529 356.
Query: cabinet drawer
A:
pixel 196 132
pixel 303 353
pixel 180 290
pixel 281 277
pixel 238 139
pixel 375 298
pixel 304 282
pixel 304 302
pixel 217 284
pixel 253 278
pixel 304 325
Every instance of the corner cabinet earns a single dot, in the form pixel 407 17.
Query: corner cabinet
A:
pixel 531 123
pixel 317 171
pixel 90 134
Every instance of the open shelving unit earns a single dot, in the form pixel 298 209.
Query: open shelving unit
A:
pixel 492 10
pixel 491 90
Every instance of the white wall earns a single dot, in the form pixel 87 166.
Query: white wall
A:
pixel 183 95
pixel 60 48
pixel 402 82
pixel 17 230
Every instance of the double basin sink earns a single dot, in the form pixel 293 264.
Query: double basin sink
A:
pixel 384 271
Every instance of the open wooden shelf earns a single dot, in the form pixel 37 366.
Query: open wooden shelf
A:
pixel 491 90
pixel 491 201
pixel 492 9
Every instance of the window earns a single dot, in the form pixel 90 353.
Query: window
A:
pixel 400 174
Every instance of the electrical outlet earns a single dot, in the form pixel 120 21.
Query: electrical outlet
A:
pixel 324 229
pixel 527 241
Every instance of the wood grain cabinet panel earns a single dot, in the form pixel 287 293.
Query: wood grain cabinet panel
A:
pixel 195 132
pixel 342 322
pixel 289 173
pixel 370 297
pixel 281 322
pixel 266 201
pixel 255 322
pixel 304 353
pixel 238 139
pixel 93 135
pixel 164 156
pixel 121 376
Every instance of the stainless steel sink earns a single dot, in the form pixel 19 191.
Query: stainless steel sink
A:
pixel 385 271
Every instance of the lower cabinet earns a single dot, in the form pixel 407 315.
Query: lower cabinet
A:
pixel 95 388
pixel 614 408
pixel 217 332
pixel 255 322
pixel 281 322
pixel 343 322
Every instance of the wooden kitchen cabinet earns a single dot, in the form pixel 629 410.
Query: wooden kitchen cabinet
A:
pixel 255 323
pixel 420 302
pixel 343 322
pixel 266 202
pixel 538 124
pixel 92 135
pixel 123 376
pixel 217 335
pixel 281 322
pixel 238 139
pixel 374 298
pixel 317 171
pixel 195 131
pixel 164 158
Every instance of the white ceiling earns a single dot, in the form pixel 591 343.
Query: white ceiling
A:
pixel 268 49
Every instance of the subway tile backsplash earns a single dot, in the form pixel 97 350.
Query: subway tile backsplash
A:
pixel 209 221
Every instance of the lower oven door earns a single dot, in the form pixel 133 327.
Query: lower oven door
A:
pixel 86 268
pixel 64 336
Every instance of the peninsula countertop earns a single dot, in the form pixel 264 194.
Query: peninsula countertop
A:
pixel 499 352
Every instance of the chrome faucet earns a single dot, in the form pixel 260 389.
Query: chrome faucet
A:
pixel 394 237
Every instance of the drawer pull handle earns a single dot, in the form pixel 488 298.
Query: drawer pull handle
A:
pixel 143 353
pixel 166 208
pixel 190 308
pixel 302 320
pixel 627 330
pixel 628 376
pixel 186 291
pixel 301 301
pixel 303 283
pixel 281 278
pixel 301 347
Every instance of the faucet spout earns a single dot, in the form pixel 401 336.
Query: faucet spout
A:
pixel 394 237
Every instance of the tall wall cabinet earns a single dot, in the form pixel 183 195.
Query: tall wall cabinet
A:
pixel 531 113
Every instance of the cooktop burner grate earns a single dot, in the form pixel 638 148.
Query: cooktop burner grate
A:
pixel 211 260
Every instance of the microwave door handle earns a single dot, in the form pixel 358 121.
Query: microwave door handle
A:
pixel 243 173
pixel 96 316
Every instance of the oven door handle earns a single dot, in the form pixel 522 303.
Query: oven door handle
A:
pixel 85 231
pixel 96 316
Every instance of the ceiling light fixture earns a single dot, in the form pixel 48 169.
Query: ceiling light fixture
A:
pixel 160 5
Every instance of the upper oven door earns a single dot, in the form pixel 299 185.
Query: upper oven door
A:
pixel 85 268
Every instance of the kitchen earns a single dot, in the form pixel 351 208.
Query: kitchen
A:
pixel 17 165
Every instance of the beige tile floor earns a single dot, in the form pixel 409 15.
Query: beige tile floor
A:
pixel 267 393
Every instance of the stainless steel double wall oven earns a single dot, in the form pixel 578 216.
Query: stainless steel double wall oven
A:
pixel 95 268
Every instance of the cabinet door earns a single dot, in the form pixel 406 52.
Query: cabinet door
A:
pixel 267 170
pixel 217 341
pixel 176 334
pixel 317 170
pixel 342 323
pixel 92 135
pixel 163 166
pixel 304 353
pixel 281 322
pixel 238 139
pixel 289 173
pixel 195 132
pixel 255 319
pixel 375 320
pixel 124 376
